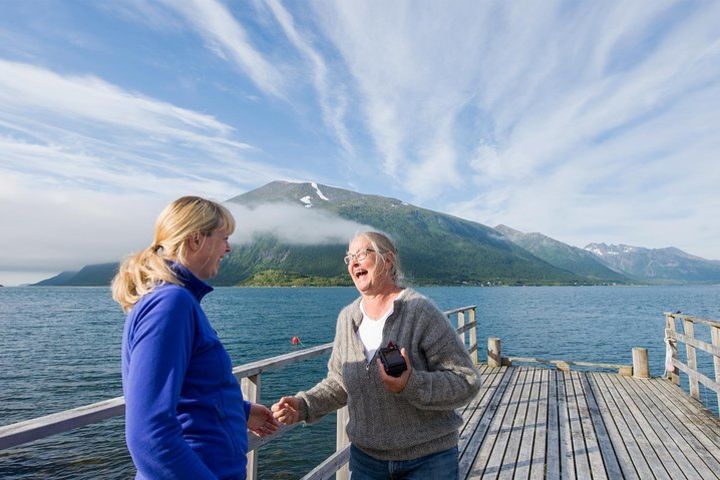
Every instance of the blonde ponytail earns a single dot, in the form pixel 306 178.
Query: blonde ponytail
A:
pixel 141 272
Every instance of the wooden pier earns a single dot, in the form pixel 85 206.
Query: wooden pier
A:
pixel 573 420
pixel 530 422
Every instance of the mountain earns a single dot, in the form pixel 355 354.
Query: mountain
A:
pixel 88 276
pixel 59 279
pixel 660 265
pixel 435 248
pixel 562 255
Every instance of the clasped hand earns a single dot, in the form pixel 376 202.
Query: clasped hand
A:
pixel 261 421
pixel 287 409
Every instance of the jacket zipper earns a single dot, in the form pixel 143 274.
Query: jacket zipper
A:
pixel 367 364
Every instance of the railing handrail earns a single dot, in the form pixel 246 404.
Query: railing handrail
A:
pixel 461 309
pixel 692 344
pixel 34 429
pixel 279 361
pixel 704 321
pixel 41 427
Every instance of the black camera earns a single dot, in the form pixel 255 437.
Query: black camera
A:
pixel 392 360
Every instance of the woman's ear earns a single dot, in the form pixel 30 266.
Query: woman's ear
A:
pixel 194 241
pixel 389 260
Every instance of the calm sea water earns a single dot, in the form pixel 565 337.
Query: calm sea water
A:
pixel 60 349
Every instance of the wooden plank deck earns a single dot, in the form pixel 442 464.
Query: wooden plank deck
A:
pixel 533 423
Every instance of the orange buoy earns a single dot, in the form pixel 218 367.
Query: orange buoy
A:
pixel 295 340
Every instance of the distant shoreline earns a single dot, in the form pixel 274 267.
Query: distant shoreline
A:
pixel 412 285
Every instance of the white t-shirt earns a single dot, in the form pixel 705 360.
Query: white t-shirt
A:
pixel 371 329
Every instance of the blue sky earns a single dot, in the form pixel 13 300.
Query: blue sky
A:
pixel 586 121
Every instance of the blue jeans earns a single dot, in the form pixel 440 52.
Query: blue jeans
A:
pixel 441 465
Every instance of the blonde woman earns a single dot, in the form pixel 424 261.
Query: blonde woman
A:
pixel 402 425
pixel 185 417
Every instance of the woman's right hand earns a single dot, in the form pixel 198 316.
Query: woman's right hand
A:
pixel 287 410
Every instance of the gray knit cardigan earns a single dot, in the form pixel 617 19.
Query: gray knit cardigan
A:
pixel 417 421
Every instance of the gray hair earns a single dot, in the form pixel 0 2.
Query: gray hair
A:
pixel 382 244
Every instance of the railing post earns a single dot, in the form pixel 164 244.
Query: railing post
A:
pixel 251 392
pixel 460 324
pixel 641 368
pixel 342 441
pixel 674 373
pixel 473 336
pixel 689 330
pixel 494 358
pixel 715 333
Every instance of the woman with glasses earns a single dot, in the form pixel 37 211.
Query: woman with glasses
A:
pixel 401 424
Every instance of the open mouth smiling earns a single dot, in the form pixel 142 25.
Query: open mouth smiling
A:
pixel 360 273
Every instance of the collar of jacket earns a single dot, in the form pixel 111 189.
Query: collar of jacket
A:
pixel 196 286
pixel 357 315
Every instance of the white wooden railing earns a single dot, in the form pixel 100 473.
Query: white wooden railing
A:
pixel 249 376
pixel 692 344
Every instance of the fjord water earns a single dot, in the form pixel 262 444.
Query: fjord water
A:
pixel 60 349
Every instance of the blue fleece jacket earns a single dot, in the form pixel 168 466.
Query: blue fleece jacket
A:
pixel 185 417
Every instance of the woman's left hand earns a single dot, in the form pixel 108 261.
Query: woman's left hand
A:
pixel 395 384
pixel 261 421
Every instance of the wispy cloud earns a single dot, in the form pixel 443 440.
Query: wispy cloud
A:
pixel 228 39
pixel 579 121
pixel 80 127
pixel 277 76
pixel 86 166
pixel 414 73
pixel 144 12
pixel 332 98
pixel 623 143
pixel 595 121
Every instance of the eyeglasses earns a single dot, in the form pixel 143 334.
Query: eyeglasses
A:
pixel 359 256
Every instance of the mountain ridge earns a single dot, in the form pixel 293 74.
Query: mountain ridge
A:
pixel 427 240
pixel 657 265
pixel 562 255
pixel 435 247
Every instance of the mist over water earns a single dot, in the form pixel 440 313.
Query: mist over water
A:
pixel 60 349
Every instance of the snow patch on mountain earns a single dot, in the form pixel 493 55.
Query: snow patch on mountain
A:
pixel 319 193
pixel 307 201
